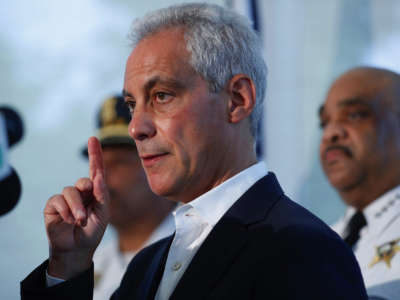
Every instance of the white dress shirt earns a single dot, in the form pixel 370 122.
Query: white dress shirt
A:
pixel 383 226
pixel 195 220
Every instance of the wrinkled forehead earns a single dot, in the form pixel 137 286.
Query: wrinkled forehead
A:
pixel 163 53
pixel 167 42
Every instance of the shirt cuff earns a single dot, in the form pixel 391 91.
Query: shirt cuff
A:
pixel 52 281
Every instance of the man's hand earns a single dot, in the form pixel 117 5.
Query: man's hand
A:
pixel 76 219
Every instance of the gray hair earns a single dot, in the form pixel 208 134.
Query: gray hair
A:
pixel 221 42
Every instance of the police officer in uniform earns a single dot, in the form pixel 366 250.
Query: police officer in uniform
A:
pixel 137 215
pixel 360 155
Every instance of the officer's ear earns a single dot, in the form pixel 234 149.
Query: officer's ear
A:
pixel 242 97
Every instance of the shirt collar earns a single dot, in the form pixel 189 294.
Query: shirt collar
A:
pixel 381 206
pixel 212 205
pixel 387 205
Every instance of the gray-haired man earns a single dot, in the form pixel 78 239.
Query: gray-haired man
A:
pixel 195 83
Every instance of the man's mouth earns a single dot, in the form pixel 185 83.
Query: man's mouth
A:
pixel 334 153
pixel 151 159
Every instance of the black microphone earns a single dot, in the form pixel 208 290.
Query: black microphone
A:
pixel 11 131
pixel 10 191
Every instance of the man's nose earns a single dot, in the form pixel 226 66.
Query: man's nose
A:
pixel 141 125
pixel 333 132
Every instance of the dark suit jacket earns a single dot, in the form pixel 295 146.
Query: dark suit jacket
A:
pixel 264 247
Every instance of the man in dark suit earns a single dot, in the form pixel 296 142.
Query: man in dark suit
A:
pixel 195 83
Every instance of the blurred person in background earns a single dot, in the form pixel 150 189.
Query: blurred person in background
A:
pixel 138 216
pixel 360 155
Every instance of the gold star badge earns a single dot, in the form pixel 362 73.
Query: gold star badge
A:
pixel 386 252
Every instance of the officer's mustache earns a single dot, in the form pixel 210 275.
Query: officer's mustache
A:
pixel 344 149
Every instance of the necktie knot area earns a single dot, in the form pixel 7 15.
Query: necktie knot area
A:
pixel 356 223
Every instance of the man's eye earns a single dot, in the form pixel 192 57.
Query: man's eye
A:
pixel 357 115
pixel 162 97
pixel 322 124
pixel 131 106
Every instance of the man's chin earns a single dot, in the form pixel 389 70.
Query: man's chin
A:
pixel 161 187
pixel 343 182
pixel 340 178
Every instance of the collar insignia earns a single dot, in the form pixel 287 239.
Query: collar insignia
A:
pixel 386 252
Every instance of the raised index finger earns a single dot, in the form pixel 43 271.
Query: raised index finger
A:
pixel 95 158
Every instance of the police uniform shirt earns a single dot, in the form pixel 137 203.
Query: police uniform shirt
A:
pixel 110 263
pixel 378 249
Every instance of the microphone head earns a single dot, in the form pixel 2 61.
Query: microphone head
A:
pixel 14 125
pixel 10 190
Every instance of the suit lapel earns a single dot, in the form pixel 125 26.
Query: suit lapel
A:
pixel 216 254
pixel 227 239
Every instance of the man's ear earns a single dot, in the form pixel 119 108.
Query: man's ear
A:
pixel 242 97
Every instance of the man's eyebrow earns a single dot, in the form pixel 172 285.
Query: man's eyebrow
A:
pixel 347 103
pixel 354 101
pixel 164 81
pixel 126 94
pixel 157 80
